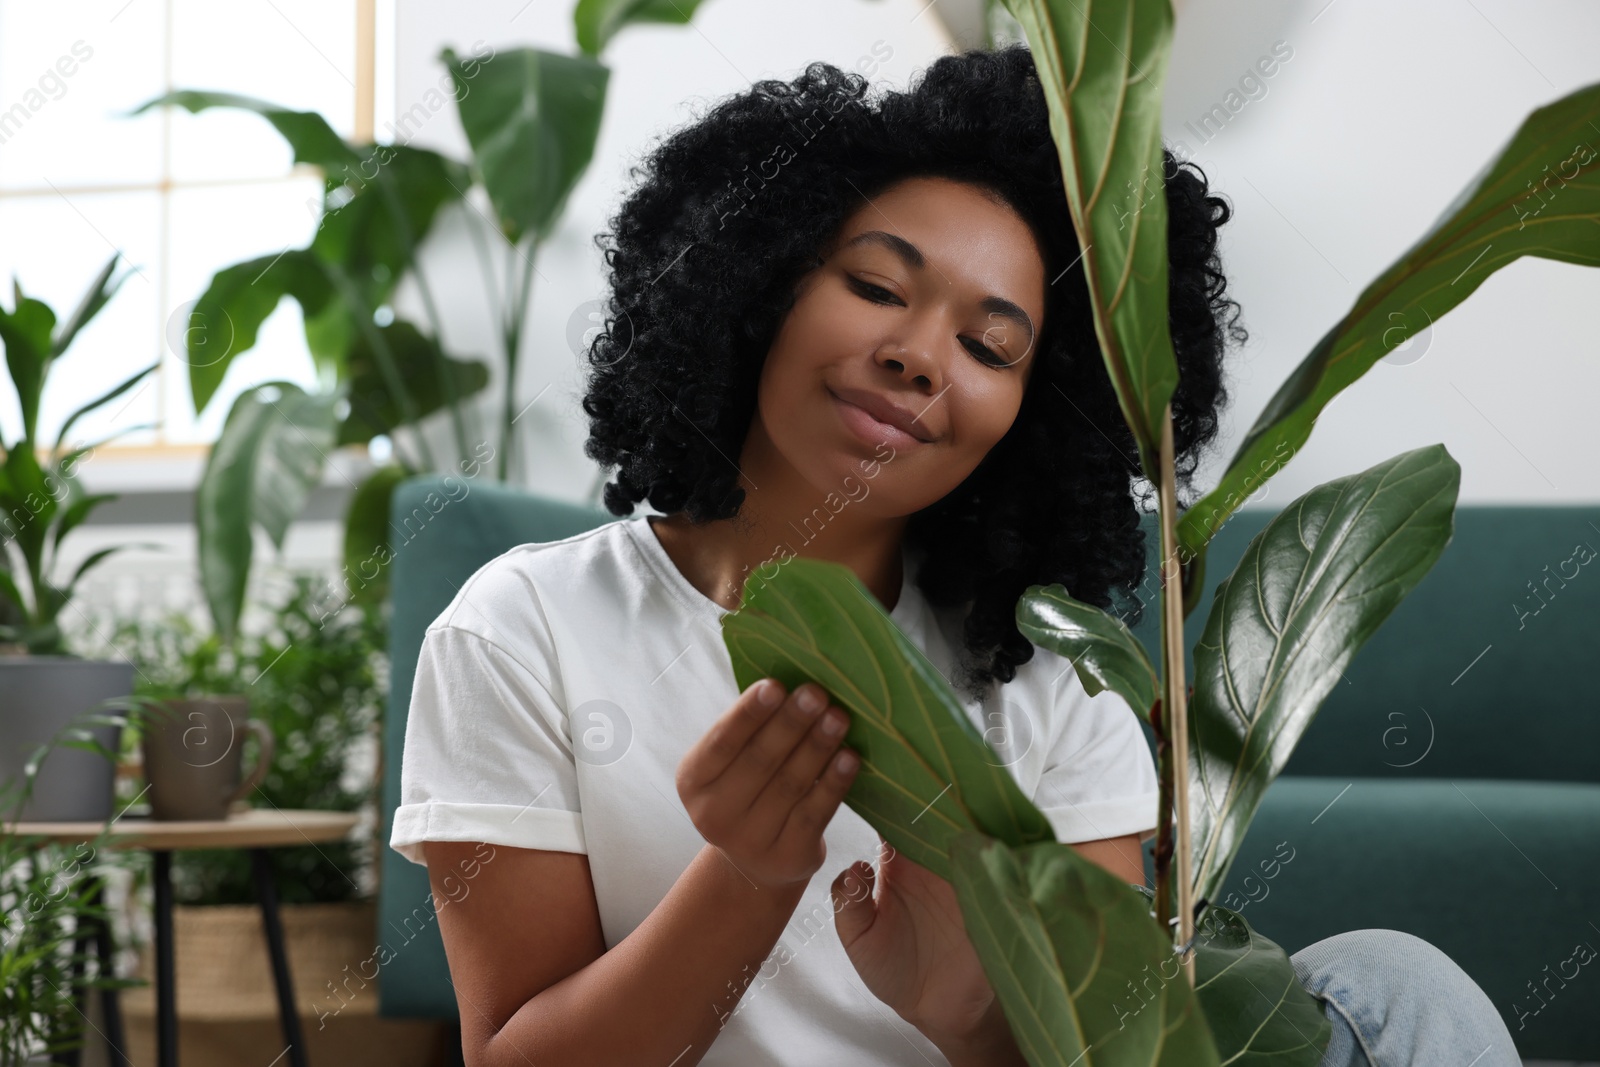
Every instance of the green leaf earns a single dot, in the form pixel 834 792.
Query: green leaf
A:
pixel 1102 66
pixel 1258 1012
pixel 1103 651
pixel 25 332
pixel 532 118
pixel 597 21
pixel 1311 588
pixel 101 290
pixel 420 363
pixel 366 534
pixel 76 512
pixel 926 773
pixel 375 215
pixel 1540 196
pixel 307 132
pixel 224 321
pixel 264 463
pixel 1085 975
pixel 104 398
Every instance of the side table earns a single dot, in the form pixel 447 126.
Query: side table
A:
pixel 257 830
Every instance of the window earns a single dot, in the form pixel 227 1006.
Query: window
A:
pixel 179 195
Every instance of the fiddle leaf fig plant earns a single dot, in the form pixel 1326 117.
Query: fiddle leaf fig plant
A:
pixel 1059 937
pixel 1539 196
pixel 926 773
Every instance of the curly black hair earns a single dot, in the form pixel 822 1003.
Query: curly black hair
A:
pixel 702 260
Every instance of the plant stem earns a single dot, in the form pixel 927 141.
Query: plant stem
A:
pixel 1176 701
pixel 385 359
pixel 442 370
pixel 517 317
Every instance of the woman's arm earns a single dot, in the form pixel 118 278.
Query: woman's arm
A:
pixel 535 983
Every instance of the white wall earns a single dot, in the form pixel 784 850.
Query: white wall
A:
pixel 1361 138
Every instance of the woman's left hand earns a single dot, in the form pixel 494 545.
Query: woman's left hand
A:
pixel 910 947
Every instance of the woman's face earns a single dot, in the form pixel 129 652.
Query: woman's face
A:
pixel 930 298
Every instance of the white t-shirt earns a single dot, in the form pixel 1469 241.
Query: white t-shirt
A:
pixel 557 694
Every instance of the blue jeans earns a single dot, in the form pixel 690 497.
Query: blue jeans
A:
pixel 1397 1001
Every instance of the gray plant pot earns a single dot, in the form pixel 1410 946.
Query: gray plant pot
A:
pixel 41 695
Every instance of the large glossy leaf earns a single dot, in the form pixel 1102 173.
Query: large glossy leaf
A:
pixel 307 132
pixel 597 21
pixel 419 361
pixel 225 320
pixel 1311 588
pixel 367 545
pixel 376 216
pixel 531 117
pixel 1258 1012
pixel 268 456
pixel 1084 974
pixel 1102 66
pixel 1103 651
pixel 1539 196
pixel 926 773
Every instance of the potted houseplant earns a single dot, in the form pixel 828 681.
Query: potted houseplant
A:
pixel 314 673
pixel 525 111
pixel 41 501
pixel 1312 587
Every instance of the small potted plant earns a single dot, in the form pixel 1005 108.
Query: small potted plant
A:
pixel 41 501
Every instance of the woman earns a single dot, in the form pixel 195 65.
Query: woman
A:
pixel 852 329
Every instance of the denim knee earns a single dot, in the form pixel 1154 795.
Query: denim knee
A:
pixel 1396 1000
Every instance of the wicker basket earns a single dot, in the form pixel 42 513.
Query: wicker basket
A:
pixel 227 1005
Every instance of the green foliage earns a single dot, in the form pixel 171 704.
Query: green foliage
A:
pixel 45 900
pixel 926 772
pixel 42 502
pixel 1102 67
pixel 1069 939
pixel 1310 590
pixel 316 675
pixel 1494 221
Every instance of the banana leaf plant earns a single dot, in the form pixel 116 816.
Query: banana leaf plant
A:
pixel 42 502
pixel 531 119
pixel 1089 969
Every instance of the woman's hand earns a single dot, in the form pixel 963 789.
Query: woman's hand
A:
pixel 910 947
pixel 763 782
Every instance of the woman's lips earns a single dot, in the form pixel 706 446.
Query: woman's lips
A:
pixel 869 429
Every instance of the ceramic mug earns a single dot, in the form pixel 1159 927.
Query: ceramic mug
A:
pixel 193 757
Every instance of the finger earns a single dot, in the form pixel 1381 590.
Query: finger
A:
pixel 716 751
pixel 764 753
pixel 811 815
pixel 853 907
pixel 769 812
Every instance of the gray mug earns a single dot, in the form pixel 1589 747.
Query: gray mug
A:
pixel 193 756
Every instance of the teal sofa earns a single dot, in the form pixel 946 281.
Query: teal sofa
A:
pixel 1450 786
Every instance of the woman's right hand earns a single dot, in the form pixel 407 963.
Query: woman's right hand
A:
pixel 764 781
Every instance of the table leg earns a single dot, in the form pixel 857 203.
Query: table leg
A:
pixel 97 930
pixel 81 936
pixel 267 894
pixel 166 999
pixel 110 1002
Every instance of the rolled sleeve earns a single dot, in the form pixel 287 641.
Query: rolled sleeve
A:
pixel 1099 779
pixel 488 752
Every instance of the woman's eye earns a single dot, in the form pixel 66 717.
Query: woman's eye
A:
pixel 879 295
pixel 985 353
pixel 872 292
